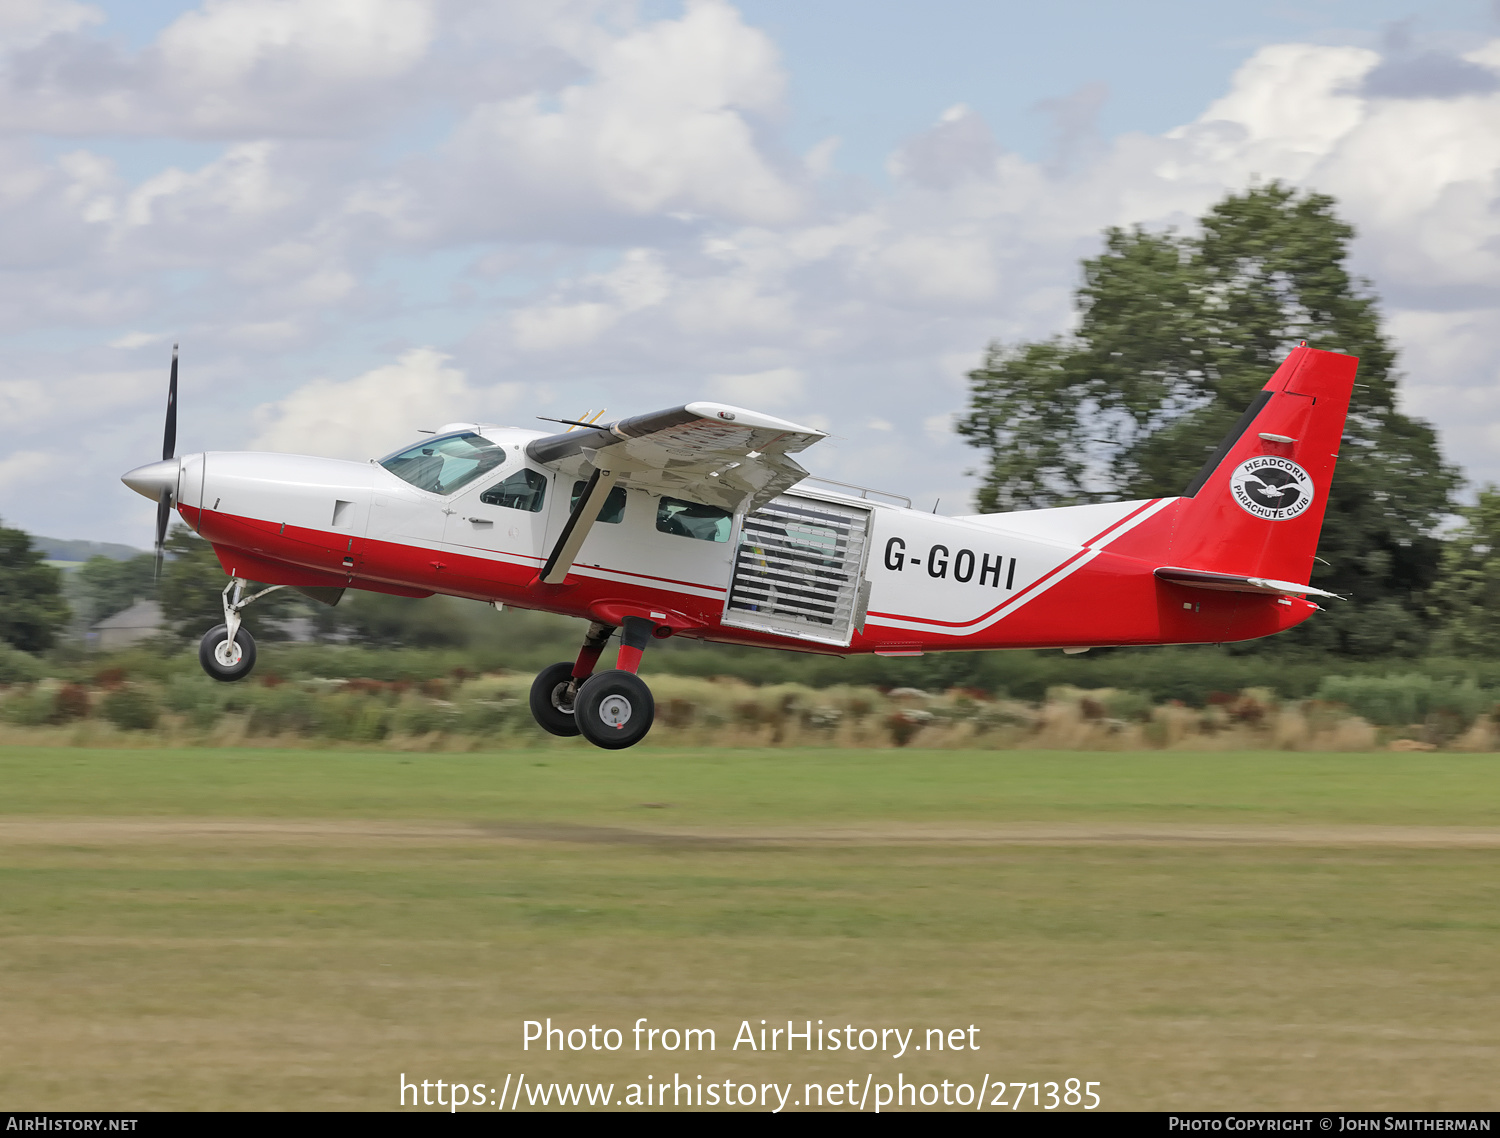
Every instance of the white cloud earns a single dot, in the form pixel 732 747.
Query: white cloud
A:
pixel 24 23
pixel 227 42
pixel 946 268
pixel 777 387
pixel 249 64
pixel 639 281
pixel 132 340
pixel 661 127
pixel 375 412
pixel 25 468
pixel 959 146
pixel 226 69
pixel 47 400
pixel 939 428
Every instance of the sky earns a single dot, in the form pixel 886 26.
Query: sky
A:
pixel 361 218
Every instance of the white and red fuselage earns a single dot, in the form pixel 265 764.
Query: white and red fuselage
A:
pixel 818 570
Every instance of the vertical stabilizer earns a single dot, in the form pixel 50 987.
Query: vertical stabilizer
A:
pixel 1257 505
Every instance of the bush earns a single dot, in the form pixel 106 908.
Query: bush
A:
pixel 280 708
pixel 487 716
pixel 17 667
pixel 201 699
pixel 354 717
pixel 71 702
pixel 132 709
pixel 416 715
pixel 30 707
pixel 1399 701
pixel 1128 706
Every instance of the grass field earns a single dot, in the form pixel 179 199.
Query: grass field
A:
pixel 279 929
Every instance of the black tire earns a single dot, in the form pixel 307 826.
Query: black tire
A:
pixel 215 654
pixel 614 710
pixel 549 705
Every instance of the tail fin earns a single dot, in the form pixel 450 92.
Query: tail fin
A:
pixel 1256 507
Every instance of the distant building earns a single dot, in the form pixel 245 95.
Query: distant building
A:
pixel 130 626
pixel 143 620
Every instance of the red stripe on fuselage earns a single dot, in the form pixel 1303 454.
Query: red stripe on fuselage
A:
pixel 1111 600
pixel 376 564
pixel 1116 525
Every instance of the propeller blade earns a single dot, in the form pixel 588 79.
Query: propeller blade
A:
pixel 169 438
pixel 163 515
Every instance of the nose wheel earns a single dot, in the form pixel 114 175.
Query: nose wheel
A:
pixel 227 651
pixel 225 658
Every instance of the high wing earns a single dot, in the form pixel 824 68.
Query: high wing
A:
pixel 705 452
pixel 711 453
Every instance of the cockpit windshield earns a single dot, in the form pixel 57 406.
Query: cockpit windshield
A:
pixel 444 464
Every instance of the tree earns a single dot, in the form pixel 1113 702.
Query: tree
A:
pixel 103 586
pixel 1466 598
pixel 381 620
pixel 1176 334
pixel 32 609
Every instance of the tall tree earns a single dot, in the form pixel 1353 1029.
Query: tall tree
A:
pixel 1176 334
pixel 1466 598
pixel 32 609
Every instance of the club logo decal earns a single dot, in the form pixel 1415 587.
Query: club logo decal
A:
pixel 1272 488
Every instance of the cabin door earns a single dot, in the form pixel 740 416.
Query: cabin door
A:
pixel 799 570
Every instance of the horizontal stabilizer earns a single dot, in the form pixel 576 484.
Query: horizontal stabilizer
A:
pixel 1233 583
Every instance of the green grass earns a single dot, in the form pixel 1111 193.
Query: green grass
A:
pixel 580 784
pixel 281 929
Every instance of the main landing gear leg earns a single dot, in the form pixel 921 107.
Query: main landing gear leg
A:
pixel 614 709
pixel 555 689
pixel 227 651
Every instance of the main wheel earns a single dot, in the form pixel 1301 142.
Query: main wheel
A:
pixel 614 709
pixel 552 700
pixel 226 659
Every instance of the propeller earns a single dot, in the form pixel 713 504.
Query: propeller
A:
pixel 168 451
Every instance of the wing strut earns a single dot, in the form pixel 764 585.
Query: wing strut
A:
pixel 579 523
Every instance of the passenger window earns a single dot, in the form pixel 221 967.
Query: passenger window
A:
pixel 523 490
pixel 613 510
pixel 693 519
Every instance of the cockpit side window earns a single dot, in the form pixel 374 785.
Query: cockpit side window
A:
pixel 523 490
pixel 444 464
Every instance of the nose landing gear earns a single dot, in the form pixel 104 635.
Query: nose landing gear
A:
pixel 227 651
pixel 612 709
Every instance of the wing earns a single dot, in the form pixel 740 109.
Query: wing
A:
pixel 704 452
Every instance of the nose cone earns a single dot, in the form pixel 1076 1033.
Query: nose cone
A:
pixel 150 480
